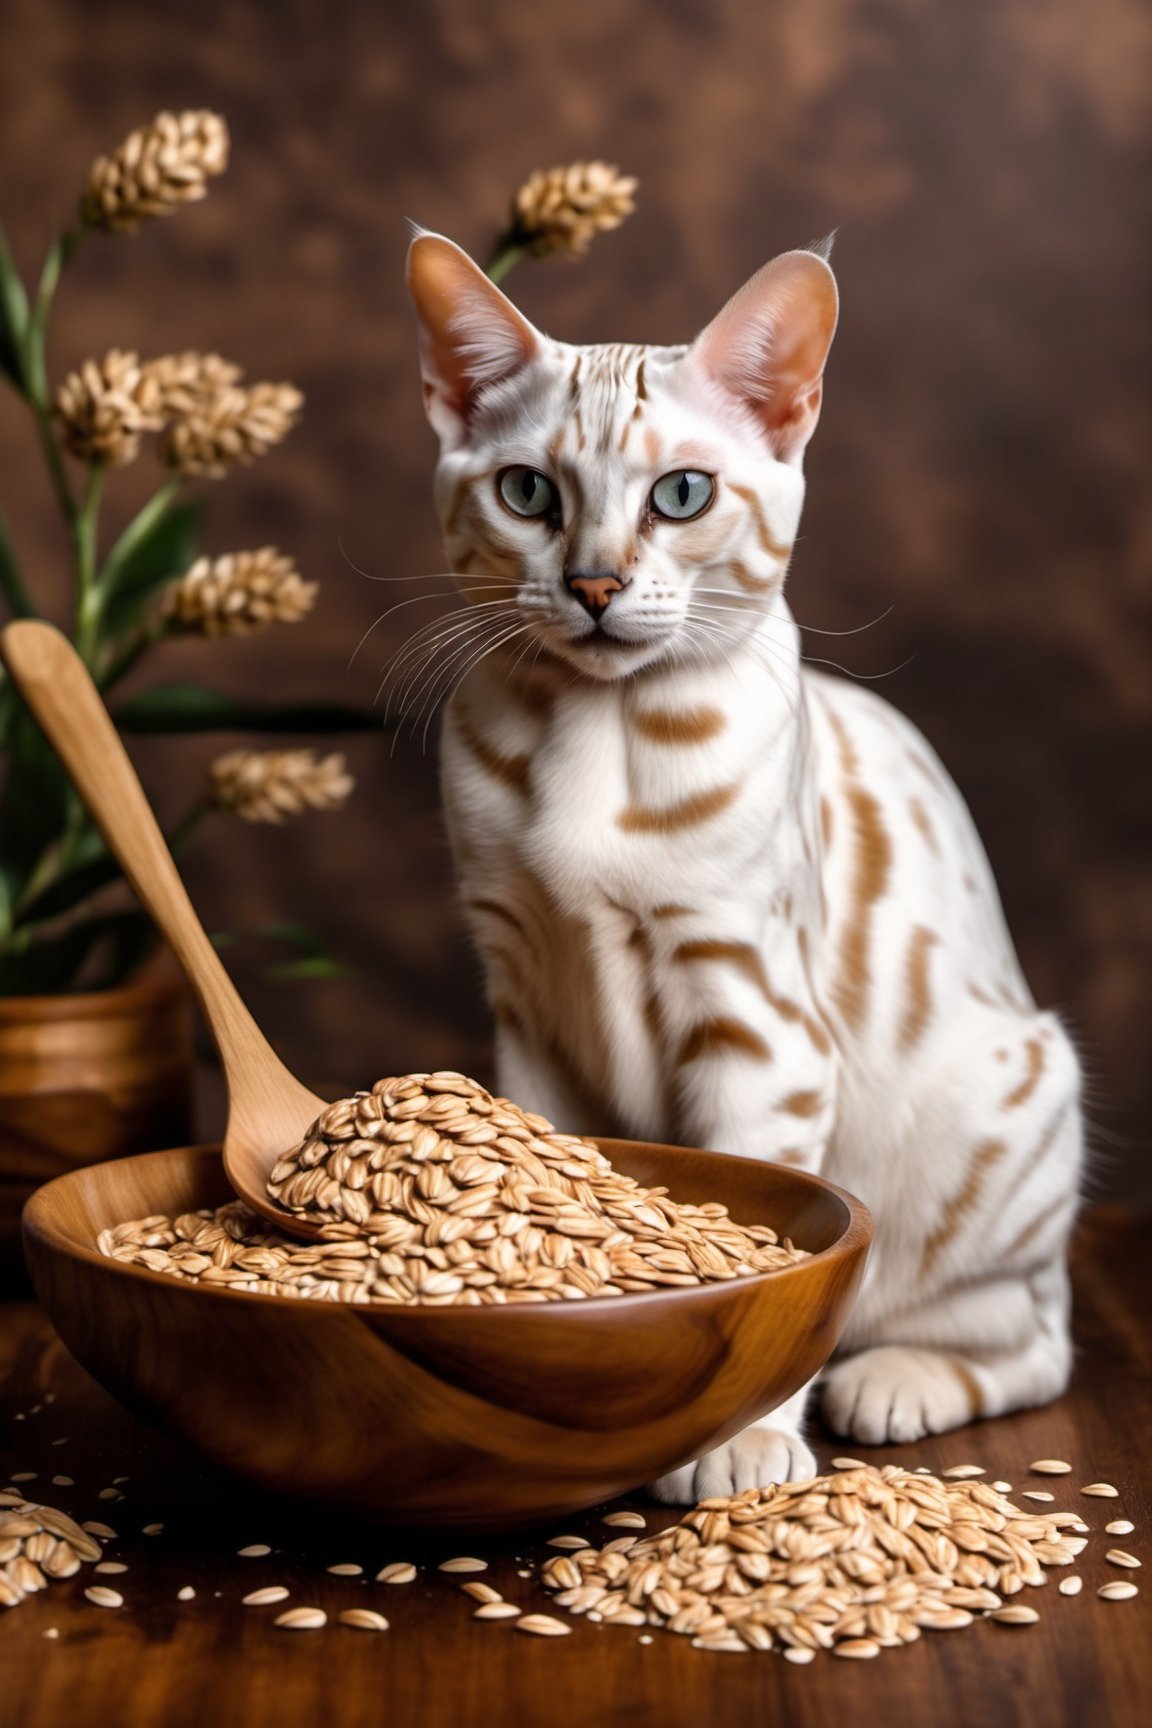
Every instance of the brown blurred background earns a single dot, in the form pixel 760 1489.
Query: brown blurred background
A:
pixel 980 466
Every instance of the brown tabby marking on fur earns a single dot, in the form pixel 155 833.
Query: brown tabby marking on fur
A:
pixel 510 771
pixel 742 955
pixel 670 910
pixel 496 910
pixel 689 813
pixel 919 1009
pixel 763 532
pixel 825 822
pixel 1021 1093
pixel 920 817
pixel 849 761
pixel 1062 1203
pixel 988 1153
pixel 803 1103
pixel 689 726
pixel 751 584
pixel 721 1033
pixel 873 862
pixel 970 1384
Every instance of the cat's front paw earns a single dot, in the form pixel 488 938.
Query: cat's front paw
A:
pixel 752 1459
pixel 896 1394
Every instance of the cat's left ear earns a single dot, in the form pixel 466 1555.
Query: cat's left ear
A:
pixel 768 346
pixel 471 335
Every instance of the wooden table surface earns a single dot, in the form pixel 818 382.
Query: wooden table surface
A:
pixel 211 1661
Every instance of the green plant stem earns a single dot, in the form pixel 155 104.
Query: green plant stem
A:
pixel 85 530
pixel 133 651
pixel 179 837
pixel 36 366
pixel 507 253
pixel 140 526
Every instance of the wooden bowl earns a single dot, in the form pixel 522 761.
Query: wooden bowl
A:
pixel 474 1417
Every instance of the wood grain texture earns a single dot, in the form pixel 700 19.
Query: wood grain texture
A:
pixel 183 1664
pixel 460 1416
pixel 83 1078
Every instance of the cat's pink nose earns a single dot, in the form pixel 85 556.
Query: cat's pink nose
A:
pixel 593 588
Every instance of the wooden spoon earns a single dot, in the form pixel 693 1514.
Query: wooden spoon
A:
pixel 269 1111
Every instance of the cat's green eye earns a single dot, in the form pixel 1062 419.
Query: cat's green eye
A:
pixel 527 492
pixel 682 495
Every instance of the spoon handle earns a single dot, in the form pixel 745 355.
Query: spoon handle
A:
pixel 58 689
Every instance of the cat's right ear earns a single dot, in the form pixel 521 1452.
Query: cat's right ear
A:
pixel 471 335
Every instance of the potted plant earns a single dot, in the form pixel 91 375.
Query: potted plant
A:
pixel 95 1040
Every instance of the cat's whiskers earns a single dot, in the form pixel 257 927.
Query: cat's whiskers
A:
pixel 756 648
pixel 470 666
pixel 440 633
pixel 809 629
pixel 439 594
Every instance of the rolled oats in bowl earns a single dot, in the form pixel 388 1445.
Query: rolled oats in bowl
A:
pixel 429 1190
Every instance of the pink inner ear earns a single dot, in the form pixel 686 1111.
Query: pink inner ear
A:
pixel 471 335
pixel 768 347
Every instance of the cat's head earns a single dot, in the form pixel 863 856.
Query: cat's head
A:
pixel 623 506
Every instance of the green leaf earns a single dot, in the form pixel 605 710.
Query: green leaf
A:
pixel 13 318
pixel 193 708
pixel 43 968
pixel 69 890
pixel 11 583
pixel 314 960
pixel 143 559
pixel 35 798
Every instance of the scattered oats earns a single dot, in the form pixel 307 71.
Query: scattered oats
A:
pixel 400 1572
pixel 1071 1586
pixel 118 1481
pixel 1120 1557
pixel 860 1648
pixel 524 1572
pixel 626 1520
pixel 63 1482
pixel 1050 1467
pixel 186 1594
pixel 103 1597
pixel 1080 1528
pixel 1120 1527
pixel 1121 1591
pixel 23 1476
pixel 960 1471
pixel 848 1464
pixel 1102 1491
pixel 19 1416
pixel 152 1530
pixel 1015 1615
pixel 542 1625
pixel 364 1620
pixel 264 1598
pixel 347 1569
pixel 50 1632
pixel 572 1542
pixel 1036 1494
pixel 254 1551
pixel 94 1528
pixel 799 1653
pixel 463 1563
pixel 110 1566
pixel 1002 1487
pixel 302 1619
pixel 481 1592
pixel 109 1494
pixel 496 1611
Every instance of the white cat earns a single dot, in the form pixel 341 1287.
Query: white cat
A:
pixel 722 899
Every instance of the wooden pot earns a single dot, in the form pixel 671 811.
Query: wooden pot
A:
pixel 83 1078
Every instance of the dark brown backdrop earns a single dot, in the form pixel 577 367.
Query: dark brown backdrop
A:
pixel 979 468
